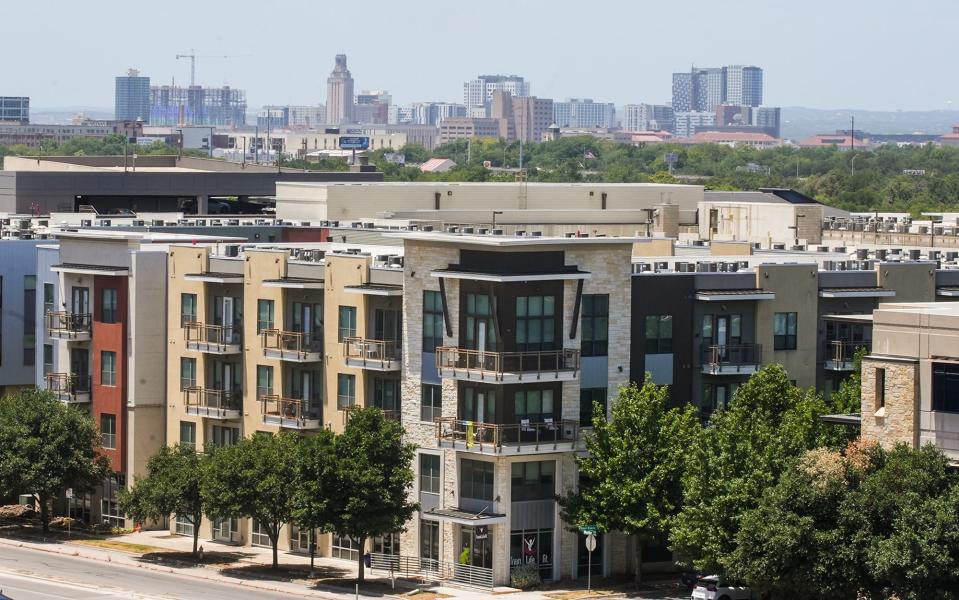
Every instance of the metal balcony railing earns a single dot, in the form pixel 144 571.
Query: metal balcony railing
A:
pixel 218 337
pixel 437 570
pixel 69 386
pixel 526 436
pixel 369 352
pixel 389 413
pixel 840 354
pixel 499 366
pixel 731 358
pixel 302 413
pixel 68 324
pixel 298 345
pixel 213 402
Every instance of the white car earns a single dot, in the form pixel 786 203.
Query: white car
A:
pixel 712 587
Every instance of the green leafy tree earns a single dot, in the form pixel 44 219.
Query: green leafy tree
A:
pixel 316 489
pixel 255 478
pixel 374 476
pixel 739 455
pixel 47 447
pixel 171 486
pixel 631 478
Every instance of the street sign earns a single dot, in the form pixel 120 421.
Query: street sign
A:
pixel 591 542
pixel 69 493
pixel 588 530
pixel 357 142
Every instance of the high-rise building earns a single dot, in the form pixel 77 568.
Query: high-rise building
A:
pixel 479 92
pixel 682 92
pixel 733 114
pixel 648 117
pixel 532 117
pixel 131 99
pixel 339 93
pixel 15 109
pixel 196 105
pixel 584 113
pixel 306 117
pixel 372 107
pixel 744 85
pixel 768 119
pixel 688 122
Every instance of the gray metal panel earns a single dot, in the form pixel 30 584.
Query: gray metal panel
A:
pixel 476 505
pixel 428 373
pixel 725 281
pixel 660 366
pixel 532 514
pixel 595 372
pixel 841 279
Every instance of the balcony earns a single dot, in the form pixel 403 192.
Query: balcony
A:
pixel 731 359
pixel 70 326
pixel 291 413
pixel 213 404
pixel 69 388
pixel 519 439
pixel 293 346
pixel 213 339
pixel 840 354
pixel 507 367
pixel 375 355
pixel 389 413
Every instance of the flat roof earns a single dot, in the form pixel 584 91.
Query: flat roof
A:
pixel 501 184
pixel 507 240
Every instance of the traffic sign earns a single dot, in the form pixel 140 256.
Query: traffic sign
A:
pixel 588 530
pixel 590 542
pixel 69 493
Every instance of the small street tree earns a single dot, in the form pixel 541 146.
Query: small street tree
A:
pixel 631 479
pixel 171 486
pixel 256 478
pixel 374 476
pixel 313 505
pixel 47 447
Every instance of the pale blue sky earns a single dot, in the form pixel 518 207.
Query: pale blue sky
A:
pixel 868 54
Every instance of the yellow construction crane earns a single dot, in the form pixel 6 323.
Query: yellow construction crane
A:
pixel 193 56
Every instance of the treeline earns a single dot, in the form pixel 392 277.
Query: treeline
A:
pixel 110 145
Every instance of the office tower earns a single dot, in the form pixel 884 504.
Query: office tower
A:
pixel 744 85
pixel 339 93
pixel 532 117
pixel 132 97
pixel 768 119
pixel 700 90
pixel 584 113
pixel 682 92
pixel 479 92
pixel 15 109
pixel 648 117
pixel 733 114
pixel 196 105
pixel 306 117
pixel 687 123
pixel 372 107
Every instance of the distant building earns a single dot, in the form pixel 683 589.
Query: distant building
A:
pixel 648 117
pixel 768 119
pixel 14 109
pixel 702 89
pixel 744 85
pixel 525 118
pixel 479 92
pixel 464 128
pixel 306 117
pixel 733 139
pixel 172 105
pixel 733 114
pixel 131 99
pixel 372 107
pixel 437 165
pixel 425 113
pixel 688 122
pixel 33 134
pixel 339 93
pixel 584 113
pixel 951 138
pixel 840 140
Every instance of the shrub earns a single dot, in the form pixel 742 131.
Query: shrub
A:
pixel 525 577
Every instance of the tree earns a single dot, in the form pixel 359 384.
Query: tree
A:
pixel 631 479
pixel 171 486
pixel 256 478
pixel 313 504
pixel 374 476
pixel 739 455
pixel 47 447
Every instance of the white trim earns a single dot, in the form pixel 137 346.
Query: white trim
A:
pixel 707 297
pixel 508 278
pixel 238 278
pixel 877 293
pixel 295 285
pixel 508 240
pixel 947 293
pixel 373 291
pixel 486 520
pixel 124 272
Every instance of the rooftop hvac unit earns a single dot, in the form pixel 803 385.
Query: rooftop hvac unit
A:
pixel 232 250
pixel 86 223
pixel 468 230
pixel 840 249
pixel 914 255
pixel 778 246
pixel 157 222
pixel 355 225
pixel 537 234
pixel 862 253
pixel 427 228
pixel 105 222
pixel 952 255
pixel 233 222
pixel 828 265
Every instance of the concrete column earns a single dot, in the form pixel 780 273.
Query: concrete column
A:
pixel 666 221
pixel 202 204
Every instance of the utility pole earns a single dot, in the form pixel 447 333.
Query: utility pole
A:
pixel 852 133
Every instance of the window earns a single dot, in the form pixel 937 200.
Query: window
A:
pixel 386 394
pixel 108 306
pixel 388 544
pixel 187 309
pixel 224 436
pixel 587 398
pixel 47 359
pixel 29 320
pixel 945 387
pixel 109 507
pixel 535 323
pixel 184 525
pixel 535 405
pixel 716 396
pixel 479 322
pixel 108 368
pixel 429 540
pixel 187 373
pixel 533 546
pixel 345 547
pixel 108 431
pixel 264 315
pixel 659 334
pixel 188 434
pixel 49 298
pixel 722 330
pixel 534 480
pixel 429 474
pixel 259 535
pixel 225 530
pixel 432 320
pixel 784 331
pixel 881 388
pixel 347 322
pixel 345 390
pixel 264 381
pixel 431 402
pixel 595 322
pixel 476 479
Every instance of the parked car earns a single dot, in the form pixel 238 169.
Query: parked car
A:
pixel 712 587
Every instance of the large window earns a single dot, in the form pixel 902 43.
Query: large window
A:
pixel 108 305
pixel 429 540
pixel 345 547
pixel 187 309
pixel 108 368
pixel 534 480
pixel 386 394
pixel 659 334
pixel 188 434
pixel 430 473
pixel 722 330
pixel 945 387
pixel 480 330
pixel 264 381
pixel 187 372
pixel 533 546
pixel 587 399
pixel 29 320
pixel 476 479
pixel 108 431
pixel 784 331
pixel 881 388
pixel 49 298
pixel 184 525
pixel 47 359
pixel 224 436
pixel 533 405
pixel 388 544
pixel 535 323
pixel 345 390
pixel 595 322
pixel 347 323
pixel 259 535
pixel 431 402
pixel 264 315
pixel 432 320
pixel 717 396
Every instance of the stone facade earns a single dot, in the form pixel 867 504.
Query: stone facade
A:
pixel 897 419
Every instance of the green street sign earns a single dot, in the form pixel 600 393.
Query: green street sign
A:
pixel 588 530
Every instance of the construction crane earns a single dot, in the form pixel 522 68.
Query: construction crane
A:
pixel 193 56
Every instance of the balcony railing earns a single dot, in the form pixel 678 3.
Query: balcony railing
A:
pixel 218 339
pixel 380 355
pixel 389 413
pixel 447 573
pixel 68 325
pixel 483 365
pixel 213 403
pixel 731 359
pixel 69 387
pixel 520 438
pixel 292 345
pixel 840 354
pixel 291 412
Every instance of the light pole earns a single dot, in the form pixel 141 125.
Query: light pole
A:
pixel 853 163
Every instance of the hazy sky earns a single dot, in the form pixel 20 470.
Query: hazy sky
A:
pixel 868 54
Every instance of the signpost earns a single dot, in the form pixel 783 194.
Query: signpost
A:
pixel 69 495
pixel 354 143
pixel 590 532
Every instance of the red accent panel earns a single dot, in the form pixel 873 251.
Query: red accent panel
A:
pixel 305 234
pixel 110 337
